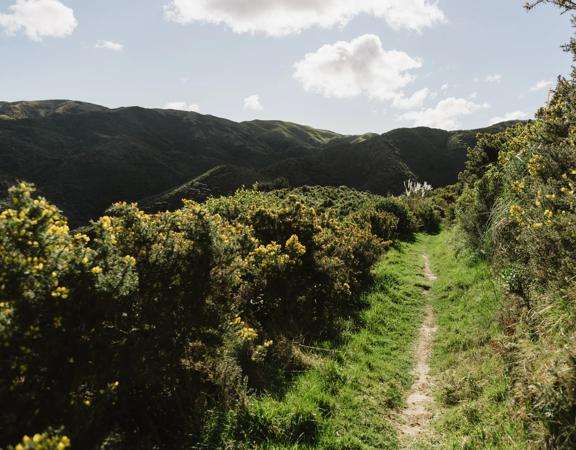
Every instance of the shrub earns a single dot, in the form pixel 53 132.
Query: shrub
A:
pixel 398 207
pixel 518 207
pixel 143 330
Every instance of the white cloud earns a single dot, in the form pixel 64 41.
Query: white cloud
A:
pixel 284 17
pixel 444 87
pixel 39 19
pixel 445 114
pixel 416 100
pixel 252 103
pixel 515 115
pixel 182 106
pixel 541 85
pixel 109 45
pixel 493 78
pixel 360 67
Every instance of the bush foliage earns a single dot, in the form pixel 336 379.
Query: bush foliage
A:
pixel 141 330
pixel 518 207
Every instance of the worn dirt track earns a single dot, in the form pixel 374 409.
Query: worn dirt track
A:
pixel 413 422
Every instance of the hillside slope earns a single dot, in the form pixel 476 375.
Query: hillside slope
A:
pixel 84 157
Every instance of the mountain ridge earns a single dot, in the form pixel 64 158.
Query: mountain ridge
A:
pixel 84 157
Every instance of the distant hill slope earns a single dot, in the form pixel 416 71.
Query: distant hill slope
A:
pixel 84 157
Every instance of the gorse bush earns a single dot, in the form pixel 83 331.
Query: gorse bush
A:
pixel 518 207
pixel 49 440
pixel 144 329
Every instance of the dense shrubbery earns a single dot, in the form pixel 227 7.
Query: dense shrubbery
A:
pixel 141 330
pixel 518 207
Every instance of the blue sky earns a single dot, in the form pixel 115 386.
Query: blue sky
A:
pixel 349 66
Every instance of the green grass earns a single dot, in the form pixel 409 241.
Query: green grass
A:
pixel 472 387
pixel 345 402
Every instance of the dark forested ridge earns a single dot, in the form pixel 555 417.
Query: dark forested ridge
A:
pixel 84 157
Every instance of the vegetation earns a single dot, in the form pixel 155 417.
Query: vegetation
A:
pixel 146 330
pixel 85 157
pixel 473 388
pixel 263 319
pixel 518 208
pixel 344 401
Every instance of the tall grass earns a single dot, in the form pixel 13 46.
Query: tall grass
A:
pixel 473 389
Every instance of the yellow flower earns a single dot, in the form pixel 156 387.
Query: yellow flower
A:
pixel 96 270
pixel 236 321
pixel 82 237
pixel 294 246
pixel 37 438
pixel 130 260
pixel 106 222
pixel 247 334
pixel 61 292
pixel 87 402
pixel 537 225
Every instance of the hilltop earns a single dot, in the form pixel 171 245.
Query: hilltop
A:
pixel 84 157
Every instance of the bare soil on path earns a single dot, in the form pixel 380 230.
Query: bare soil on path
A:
pixel 413 422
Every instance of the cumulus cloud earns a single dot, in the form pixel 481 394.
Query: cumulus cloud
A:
pixel 541 85
pixel 109 45
pixel 514 115
pixel 252 103
pixel 284 17
pixel 416 100
pixel 182 106
pixel 446 114
pixel 360 67
pixel 493 78
pixel 39 19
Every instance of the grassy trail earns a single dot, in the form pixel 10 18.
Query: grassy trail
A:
pixel 397 382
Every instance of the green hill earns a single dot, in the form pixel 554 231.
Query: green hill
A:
pixel 84 157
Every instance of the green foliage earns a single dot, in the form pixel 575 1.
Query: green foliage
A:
pixel 399 208
pixel 158 157
pixel 473 388
pixel 344 400
pixel 49 440
pixel 520 210
pixel 145 329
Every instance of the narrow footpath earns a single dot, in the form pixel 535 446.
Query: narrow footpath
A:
pixel 413 422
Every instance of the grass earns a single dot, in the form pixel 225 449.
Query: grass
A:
pixel 346 400
pixel 472 389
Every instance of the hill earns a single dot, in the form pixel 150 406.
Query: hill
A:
pixel 84 157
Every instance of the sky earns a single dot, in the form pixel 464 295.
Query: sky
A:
pixel 351 66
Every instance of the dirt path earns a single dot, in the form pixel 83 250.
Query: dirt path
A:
pixel 413 421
